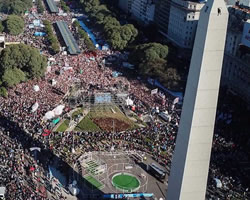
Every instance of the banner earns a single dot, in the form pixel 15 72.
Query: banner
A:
pixel 154 91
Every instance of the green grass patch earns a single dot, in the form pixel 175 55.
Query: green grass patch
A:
pixel 64 125
pixel 125 182
pixel 86 124
pixel 77 112
pixel 109 111
pixel 91 181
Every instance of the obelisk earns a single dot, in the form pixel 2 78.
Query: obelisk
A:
pixel 189 170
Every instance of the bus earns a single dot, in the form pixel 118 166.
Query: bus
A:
pixel 157 171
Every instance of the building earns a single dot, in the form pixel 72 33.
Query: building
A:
pixel 236 65
pixel 244 3
pixel 125 5
pixel 177 20
pixel 141 10
pixel 190 164
pixel 161 17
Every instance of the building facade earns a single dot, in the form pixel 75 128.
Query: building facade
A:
pixel 236 65
pixel 177 20
pixel 141 10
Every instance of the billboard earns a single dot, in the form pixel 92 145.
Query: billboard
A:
pixel 246 34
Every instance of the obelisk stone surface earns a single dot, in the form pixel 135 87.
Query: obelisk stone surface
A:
pixel 189 170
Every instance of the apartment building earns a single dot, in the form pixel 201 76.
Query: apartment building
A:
pixel 177 20
pixel 236 65
pixel 141 10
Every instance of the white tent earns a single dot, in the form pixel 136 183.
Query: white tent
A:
pixel 49 115
pixel 36 88
pixel 218 183
pixel 2 192
pixel 129 102
pixel 35 148
pixel 74 190
pixel 67 68
pixel 54 82
pixel 34 107
pixel 58 110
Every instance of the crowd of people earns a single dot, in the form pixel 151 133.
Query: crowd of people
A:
pixel 19 168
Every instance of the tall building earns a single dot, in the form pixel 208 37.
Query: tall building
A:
pixel 177 20
pixel 161 17
pixel 189 170
pixel 141 10
pixel 236 65
pixel 125 5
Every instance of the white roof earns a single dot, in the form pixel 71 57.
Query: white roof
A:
pixel 2 190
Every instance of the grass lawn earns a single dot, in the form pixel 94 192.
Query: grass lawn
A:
pixel 86 124
pixel 63 126
pixel 111 111
pixel 125 182
pixel 93 182
pixel 77 112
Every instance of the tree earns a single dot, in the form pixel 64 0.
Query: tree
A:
pixel 14 24
pixel 17 7
pixel 19 62
pixel 1 27
pixel 55 47
pixel 148 53
pixel 119 37
pixel 3 92
pixel 13 76
pixel 52 39
pixel 40 8
pixel 151 60
pixel 64 6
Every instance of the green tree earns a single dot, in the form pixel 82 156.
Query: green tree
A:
pixel 18 62
pixel 54 43
pixel 64 6
pixel 3 92
pixel 13 76
pixel 40 8
pixel 119 37
pixel 1 27
pixel 14 24
pixel 17 7
pixel 55 47
pixel 148 53
pixel 76 24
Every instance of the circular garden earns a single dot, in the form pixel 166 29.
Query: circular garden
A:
pixel 125 182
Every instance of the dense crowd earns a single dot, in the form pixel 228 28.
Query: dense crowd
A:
pixel 21 172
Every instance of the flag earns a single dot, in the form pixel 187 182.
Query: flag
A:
pixel 176 100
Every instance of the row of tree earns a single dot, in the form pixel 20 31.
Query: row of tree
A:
pixel 84 36
pixel 40 8
pixel 151 61
pixel 52 39
pixel 17 7
pixel 64 6
pixel 13 25
pixel 19 63
pixel 119 37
